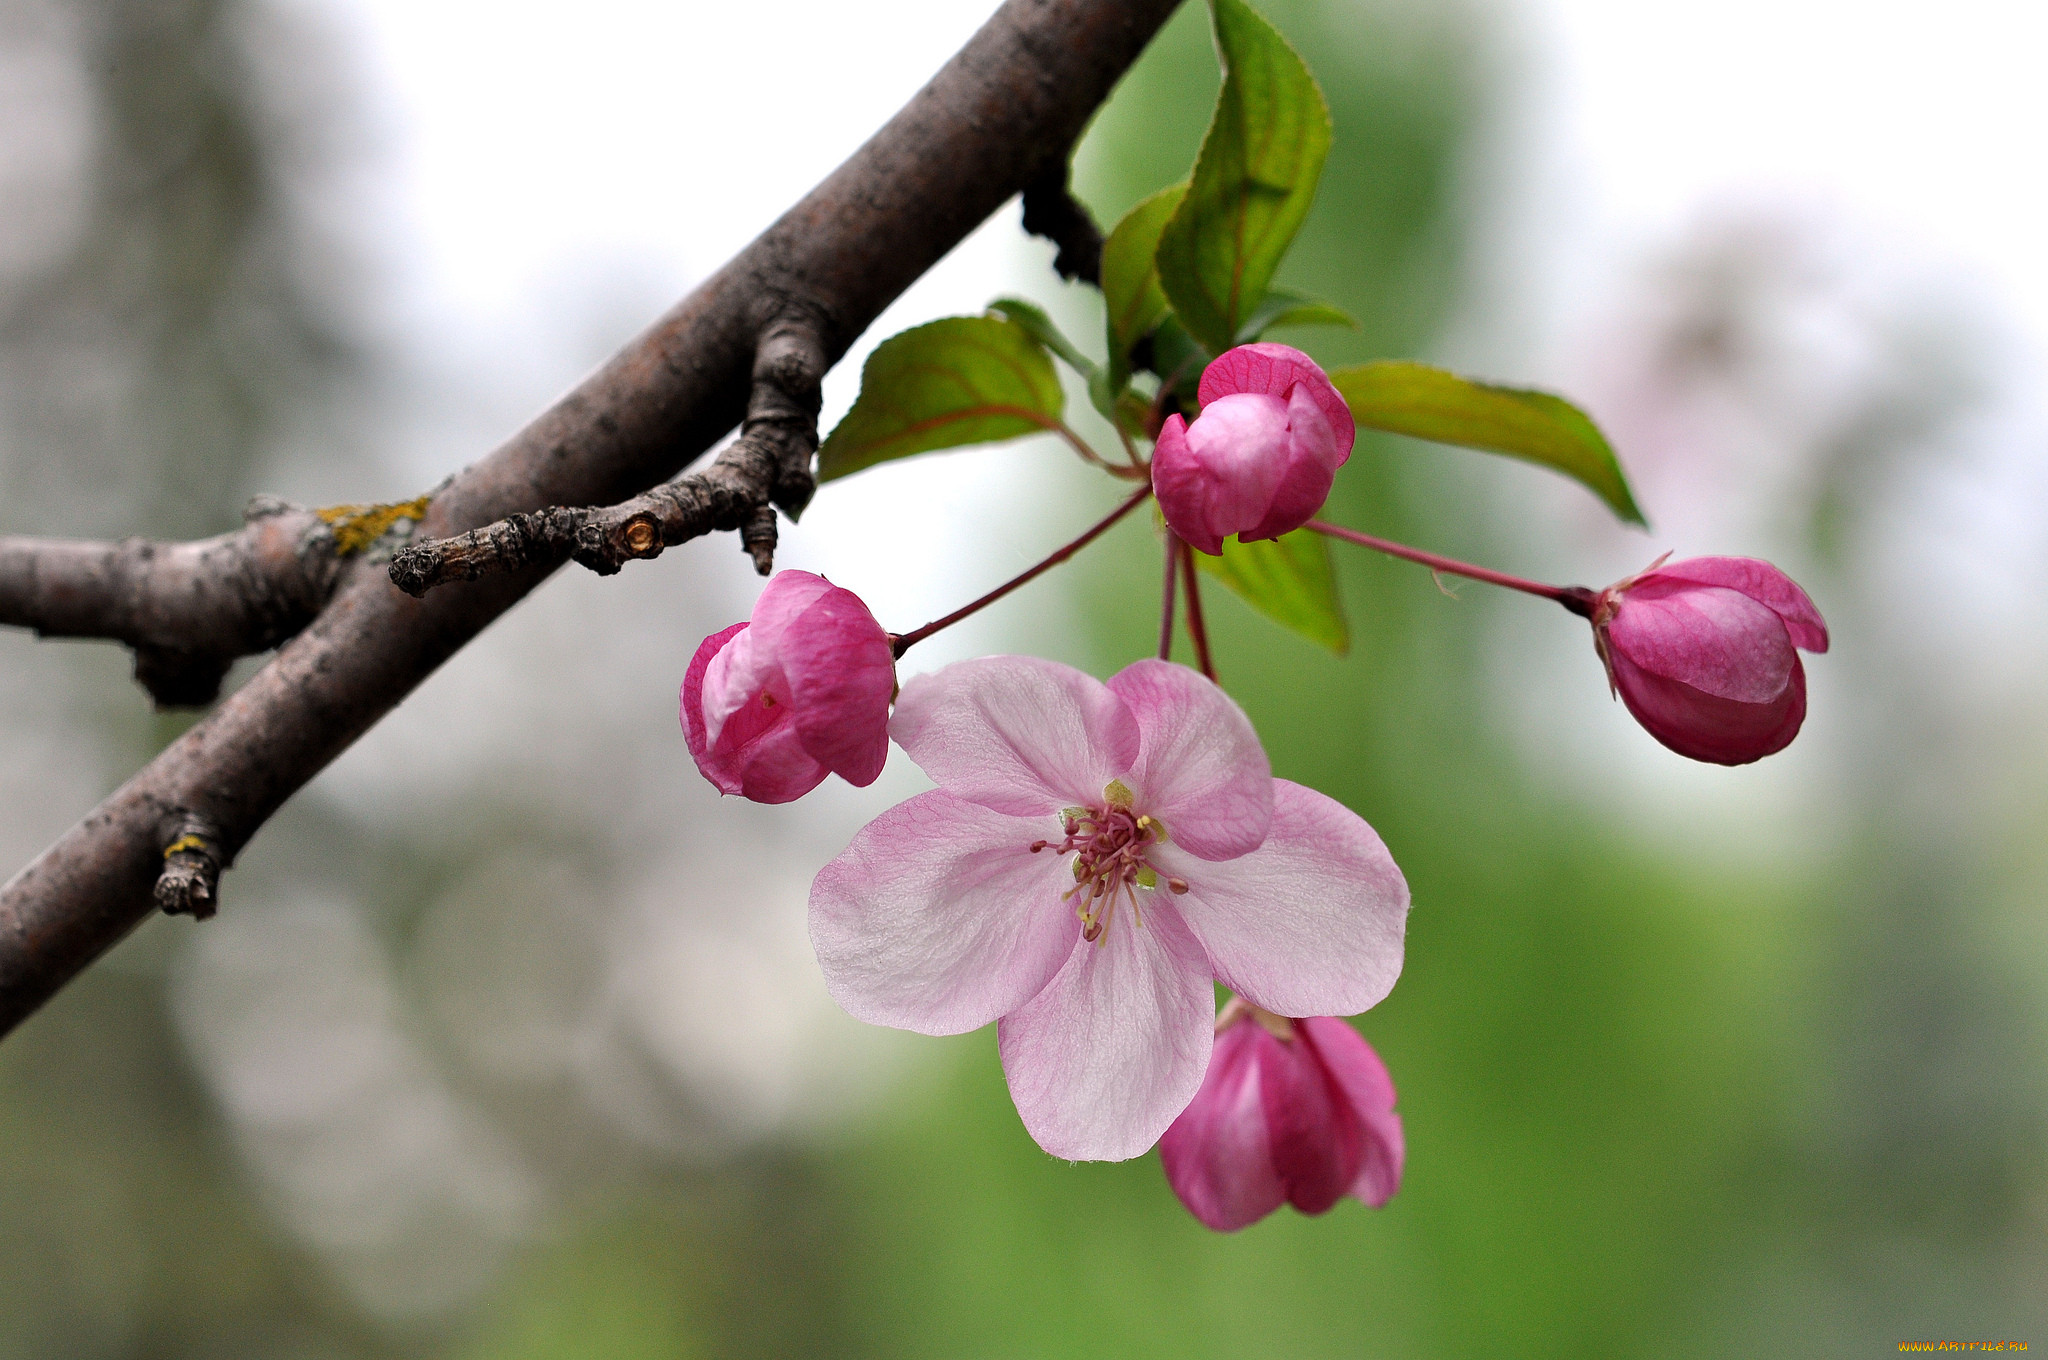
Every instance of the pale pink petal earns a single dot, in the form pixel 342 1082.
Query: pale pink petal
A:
pixel 1102 1060
pixel 1276 370
pixel 1760 581
pixel 1016 734
pixel 841 673
pixel 1366 1089
pixel 1315 1147
pixel 1704 727
pixel 1200 768
pixel 1310 923
pixel 1217 1156
pixel 1711 638
pixel 938 918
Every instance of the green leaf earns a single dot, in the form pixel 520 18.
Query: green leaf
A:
pixel 960 380
pixel 1032 318
pixel 1130 280
pixel 1253 180
pixel 1283 307
pixel 1288 579
pixel 1428 403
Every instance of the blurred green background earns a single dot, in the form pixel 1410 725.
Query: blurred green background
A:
pixel 1733 1099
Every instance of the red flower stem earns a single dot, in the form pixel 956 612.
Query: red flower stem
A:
pixel 1166 596
pixel 1575 598
pixel 903 642
pixel 1196 631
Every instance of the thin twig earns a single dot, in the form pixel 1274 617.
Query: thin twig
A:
pixel 1568 596
pixel 1166 596
pixel 903 642
pixel 1196 629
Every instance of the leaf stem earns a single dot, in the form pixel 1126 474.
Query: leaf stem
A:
pixel 903 642
pixel 1196 629
pixel 1091 457
pixel 1575 598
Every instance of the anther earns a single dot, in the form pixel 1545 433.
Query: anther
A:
pixel 1176 886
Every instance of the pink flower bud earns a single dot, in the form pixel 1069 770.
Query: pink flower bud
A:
pixel 802 689
pixel 1260 458
pixel 1300 1111
pixel 1703 653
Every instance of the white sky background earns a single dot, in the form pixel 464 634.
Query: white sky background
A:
pixel 1926 118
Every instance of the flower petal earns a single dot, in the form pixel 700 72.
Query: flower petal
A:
pixel 1222 476
pixel 1714 639
pixel 1016 734
pixel 783 600
pixel 841 673
pixel 737 677
pixel 1315 1148
pixel 1760 581
pixel 1312 460
pixel 938 918
pixel 1368 1093
pixel 1276 370
pixel 1217 1156
pixel 1102 1060
pixel 1704 727
pixel 1310 923
pixel 1200 768
pixel 1183 489
pixel 766 754
pixel 690 700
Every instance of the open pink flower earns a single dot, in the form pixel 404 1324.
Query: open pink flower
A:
pixel 1703 652
pixel 1260 458
pixel 800 690
pixel 1095 854
pixel 1300 1111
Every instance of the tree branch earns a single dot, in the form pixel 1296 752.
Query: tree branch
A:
pixel 1052 211
pixel 188 610
pixel 768 466
pixel 1018 93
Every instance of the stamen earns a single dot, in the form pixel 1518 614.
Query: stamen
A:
pixel 1109 844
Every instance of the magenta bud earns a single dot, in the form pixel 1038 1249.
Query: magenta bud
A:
pixel 1259 460
pixel 1705 653
pixel 801 690
pixel 1291 1111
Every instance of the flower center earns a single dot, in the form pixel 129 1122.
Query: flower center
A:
pixel 1109 843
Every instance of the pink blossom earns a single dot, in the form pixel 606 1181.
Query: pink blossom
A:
pixel 800 690
pixel 1300 1111
pixel 1094 856
pixel 1703 652
pixel 1259 459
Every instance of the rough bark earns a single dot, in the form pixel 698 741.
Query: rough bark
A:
pixel 993 120
pixel 188 610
